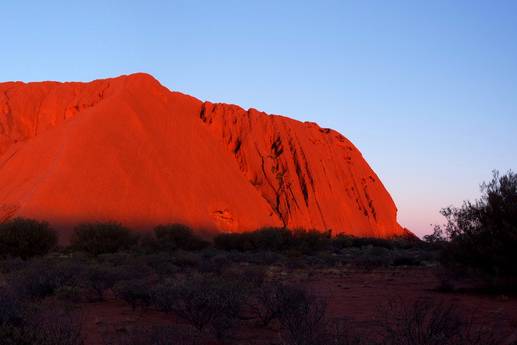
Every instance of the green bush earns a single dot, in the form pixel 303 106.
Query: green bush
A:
pixel 26 238
pixel 102 238
pixel 177 236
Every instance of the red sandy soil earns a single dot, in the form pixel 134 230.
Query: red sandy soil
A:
pixel 356 296
pixel 128 149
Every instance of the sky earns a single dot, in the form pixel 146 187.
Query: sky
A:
pixel 427 90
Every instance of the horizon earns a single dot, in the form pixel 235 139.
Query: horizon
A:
pixel 414 87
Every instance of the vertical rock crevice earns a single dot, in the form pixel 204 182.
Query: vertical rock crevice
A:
pixel 275 154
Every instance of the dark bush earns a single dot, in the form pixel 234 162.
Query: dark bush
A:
pixel 248 277
pixel 135 292
pixel 424 322
pixel 274 239
pixel 101 238
pixel 185 259
pixel 346 241
pixel 161 263
pixel 398 242
pixel 438 239
pixel 44 277
pixel 406 259
pixel 24 324
pixel 235 241
pixel 98 278
pixel 266 303
pixel 370 258
pixel 216 264
pixel 302 318
pixel 11 264
pixel 164 296
pixel 204 302
pixel 26 238
pixel 53 326
pixel 159 335
pixel 301 314
pixel 178 236
pixel 310 241
pixel 11 309
pixel 483 234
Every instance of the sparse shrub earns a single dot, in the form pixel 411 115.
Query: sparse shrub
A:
pixel 159 335
pixel 25 324
pixel 161 263
pixel 438 239
pixel 310 241
pixel 186 259
pixel 11 264
pixel 73 293
pixel 101 238
pixel 178 236
pixel 11 310
pixel 424 322
pixel 325 259
pixel 347 241
pixel 252 276
pixel 135 292
pixel 98 278
pixel 369 258
pixel 340 332
pixel 274 239
pixel 342 241
pixel 266 258
pixel 233 241
pixel 302 317
pixel 300 242
pixel 12 315
pixel 44 277
pixel 116 258
pixel 53 326
pixel 483 234
pixel 26 238
pixel 164 296
pixel 266 303
pixel 204 302
pixel 406 259
pixel 147 243
pixel 215 264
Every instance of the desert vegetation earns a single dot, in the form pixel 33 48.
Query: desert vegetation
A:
pixel 26 238
pixel 263 287
pixel 479 238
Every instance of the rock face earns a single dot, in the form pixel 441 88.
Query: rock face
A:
pixel 128 149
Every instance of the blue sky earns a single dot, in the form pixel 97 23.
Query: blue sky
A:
pixel 427 90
